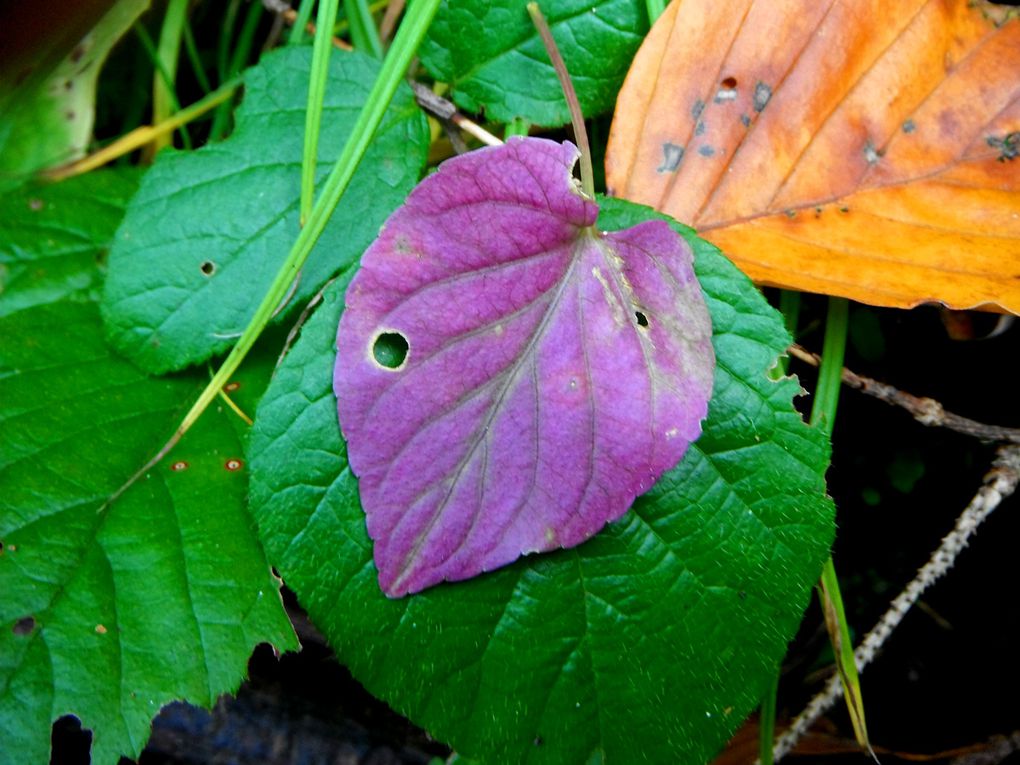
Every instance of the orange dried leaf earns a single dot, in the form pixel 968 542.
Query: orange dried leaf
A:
pixel 864 149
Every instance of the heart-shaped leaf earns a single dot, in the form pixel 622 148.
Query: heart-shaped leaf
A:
pixel 207 231
pixel 648 643
pixel 548 373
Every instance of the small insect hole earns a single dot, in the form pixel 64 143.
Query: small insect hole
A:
pixel 24 626
pixel 178 466
pixel 729 83
pixel 233 465
pixel 390 350
pixel 642 320
pixel 208 268
pixel 230 387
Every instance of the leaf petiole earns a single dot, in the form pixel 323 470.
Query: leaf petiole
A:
pixel 576 117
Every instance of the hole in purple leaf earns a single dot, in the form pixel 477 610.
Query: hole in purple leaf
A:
pixel 642 320
pixel 390 350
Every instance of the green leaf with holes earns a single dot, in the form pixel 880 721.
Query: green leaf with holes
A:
pixel 648 643
pixel 113 606
pixel 53 236
pixel 506 71
pixel 206 233
pixel 49 65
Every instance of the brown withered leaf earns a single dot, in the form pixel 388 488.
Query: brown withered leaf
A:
pixel 857 148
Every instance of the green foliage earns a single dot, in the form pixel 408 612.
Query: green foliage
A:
pixel 489 52
pixel 51 237
pixel 206 233
pixel 650 642
pixel 48 88
pixel 115 605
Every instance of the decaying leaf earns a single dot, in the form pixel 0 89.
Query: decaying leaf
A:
pixel 861 149
pixel 49 65
pixel 509 378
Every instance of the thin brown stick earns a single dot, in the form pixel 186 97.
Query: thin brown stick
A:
pixel 444 111
pixel 389 21
pixel 999 483
pixel 926 411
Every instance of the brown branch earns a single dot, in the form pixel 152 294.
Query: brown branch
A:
pixel 389 21
pixel 447 114
pixel 926 411
pixel 999 483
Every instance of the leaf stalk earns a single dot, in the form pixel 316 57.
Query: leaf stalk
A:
pixel 576 117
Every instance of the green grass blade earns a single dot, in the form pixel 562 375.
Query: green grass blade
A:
pixel 843 648
pixel 767 721
pixel 232 61
pixel 304 13
pixel 246 39
pixel 164 95
pixel 823 416
pixel 830 371
pixel 226 35
pixel 316 93
pixel 364 35
pixel 195 59
pixel 160 74
pixel 221 118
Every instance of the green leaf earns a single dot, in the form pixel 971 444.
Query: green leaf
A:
pixel 206 233
pixel 48 83
pixel 111 609
pixel 505 69
pixel 650 642
pixel 51 237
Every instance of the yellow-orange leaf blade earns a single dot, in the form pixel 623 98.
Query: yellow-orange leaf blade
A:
pixel 854 148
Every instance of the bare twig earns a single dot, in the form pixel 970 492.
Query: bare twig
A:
pixel 446 112
pixel 996 750
pixel 389 21
pixel 1000 482
pixel 926 411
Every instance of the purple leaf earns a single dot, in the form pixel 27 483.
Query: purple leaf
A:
pixel 509 378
